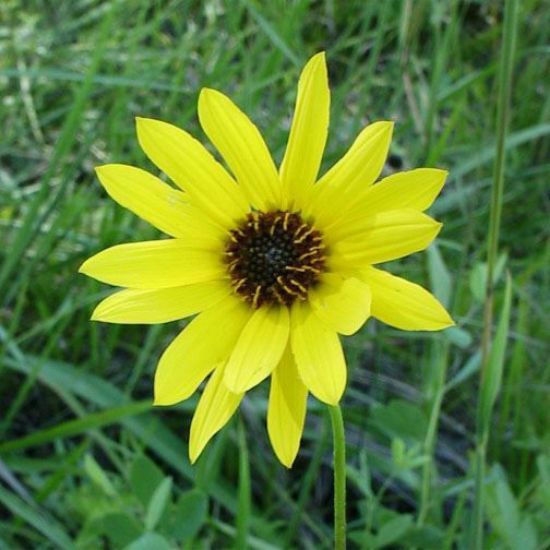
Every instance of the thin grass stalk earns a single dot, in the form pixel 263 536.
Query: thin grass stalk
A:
pixel 503 109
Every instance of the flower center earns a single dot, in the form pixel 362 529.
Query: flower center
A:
pixel 274 258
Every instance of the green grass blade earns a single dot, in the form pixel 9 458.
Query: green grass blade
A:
pixel 495 362
pixel 75 427
pixel 48 526
pixel 491 369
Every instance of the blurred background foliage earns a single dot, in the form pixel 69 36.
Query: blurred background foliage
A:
pixel 84 459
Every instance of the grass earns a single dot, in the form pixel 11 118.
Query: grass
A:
pixel 493 350
pixel 86 462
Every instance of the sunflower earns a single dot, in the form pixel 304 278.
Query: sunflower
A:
pixel 273 263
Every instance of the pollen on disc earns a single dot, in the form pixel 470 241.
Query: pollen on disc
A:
pixel 274 258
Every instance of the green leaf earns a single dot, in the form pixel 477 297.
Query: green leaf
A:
pixel 478 277
pixel 392 530
pixel 526 535
pixel 459 337
pixel 145 477
pixel 98 476
pixel 470 367
pixel 189 515
pixel 360 477
pixel 507 507
pixel 158 503
pixel 543 492
pixel 398 451
pixel 427 538
pixel 120 528
pixel 478 281
pixel 400 419
pixel 150 541
pixel 442 282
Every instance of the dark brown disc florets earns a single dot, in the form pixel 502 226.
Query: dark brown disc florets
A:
pixel 274 258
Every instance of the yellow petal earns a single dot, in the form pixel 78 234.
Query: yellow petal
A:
pixel 203 344
pixel 287 409
pixel 194 169
pixel 318 354
pixel 243 148
pixel 201 232
pixel 344 184
pixel 145 195
pixel 308 133
pixel 403 304
pixel 364 160
pixel 415 189
pixel 258 349
pixel 157 203
pixel 386 236
pixel 342 304
pixel 216 406
pixel 159 305
pixel 154 264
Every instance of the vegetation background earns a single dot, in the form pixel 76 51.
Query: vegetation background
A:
pixel 86 462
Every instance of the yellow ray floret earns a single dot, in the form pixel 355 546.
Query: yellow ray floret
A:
pixel 286 411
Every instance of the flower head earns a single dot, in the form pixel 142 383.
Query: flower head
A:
pixel 275 264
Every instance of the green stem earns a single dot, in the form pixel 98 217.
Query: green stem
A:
pixel 503 108
pixel 339 438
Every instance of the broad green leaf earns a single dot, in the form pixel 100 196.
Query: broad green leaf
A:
pixel 427 537
pixel 120 528
pixel 150 541
pixel 145 477
pixel 392 531
pixel 189 515
pixel 526 536
pixel 543 467
pixel 400 419
pixel 505 516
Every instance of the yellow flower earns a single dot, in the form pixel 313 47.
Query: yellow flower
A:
pixel 275 262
